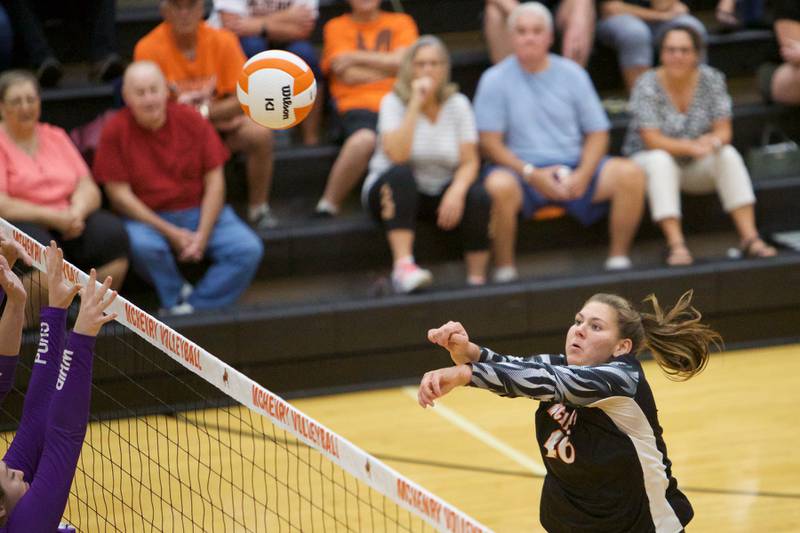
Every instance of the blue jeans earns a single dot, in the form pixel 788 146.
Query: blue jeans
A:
pixel 254 44
pixel 234 250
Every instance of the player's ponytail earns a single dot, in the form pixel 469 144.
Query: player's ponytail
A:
pixel 679 342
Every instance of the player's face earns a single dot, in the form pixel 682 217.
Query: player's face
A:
pixel 183 15
pixel 146 95
pixel 21 107
pixel 428 62
pixel 594 336
pixel 531 38
pixel 678 54
pixel 13 486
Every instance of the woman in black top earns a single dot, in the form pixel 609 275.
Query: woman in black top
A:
pixel 597 427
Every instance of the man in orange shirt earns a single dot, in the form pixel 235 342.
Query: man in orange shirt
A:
pixel 202 66
pixel 361 53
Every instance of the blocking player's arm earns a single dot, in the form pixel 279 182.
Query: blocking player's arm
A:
pixel 571 385
pixel 487 355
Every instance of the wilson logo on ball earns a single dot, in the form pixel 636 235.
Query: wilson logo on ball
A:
pixel 276 89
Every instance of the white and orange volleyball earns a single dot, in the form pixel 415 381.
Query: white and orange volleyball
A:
pixel 276 89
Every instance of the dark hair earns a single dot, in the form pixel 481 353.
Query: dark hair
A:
pixel 697 40
pixel 13 77
pixel 679 342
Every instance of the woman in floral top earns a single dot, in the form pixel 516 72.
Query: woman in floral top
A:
pixel 680 134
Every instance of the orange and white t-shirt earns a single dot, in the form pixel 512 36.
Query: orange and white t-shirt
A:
pixel 387 33
pixel 216 66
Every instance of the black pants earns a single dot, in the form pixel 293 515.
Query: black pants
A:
pixel 395 203
pixel 97 17
pixel 103 239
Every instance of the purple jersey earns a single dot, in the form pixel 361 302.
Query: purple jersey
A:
pixel 54 420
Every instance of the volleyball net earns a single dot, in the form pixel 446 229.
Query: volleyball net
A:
pixel 178 440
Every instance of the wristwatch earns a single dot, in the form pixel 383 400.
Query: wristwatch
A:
pixel 203 110
pixel 528 170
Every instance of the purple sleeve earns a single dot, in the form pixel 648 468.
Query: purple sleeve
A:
pixel 41 508
pixel 26 448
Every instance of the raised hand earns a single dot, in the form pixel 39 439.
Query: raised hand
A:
pixel 437 383
pixel 93 304
pixel 58 292
pixel 12 250
pixel 453 338
pixel 12 285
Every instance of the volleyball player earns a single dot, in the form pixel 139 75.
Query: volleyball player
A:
pixel 37 470
pixel 597 427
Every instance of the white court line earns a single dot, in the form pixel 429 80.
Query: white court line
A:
pixel 484 436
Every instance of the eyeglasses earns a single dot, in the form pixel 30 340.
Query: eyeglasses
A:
pixel 19 101
pixel 684 50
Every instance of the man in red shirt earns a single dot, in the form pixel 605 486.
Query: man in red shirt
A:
pixel 161 165
pixel 202 66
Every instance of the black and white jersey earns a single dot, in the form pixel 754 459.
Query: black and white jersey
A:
pixel 602 446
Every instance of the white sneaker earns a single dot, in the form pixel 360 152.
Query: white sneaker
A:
pixel 409 277
pixel 618 262
pixel 186 291
pixel 180 309
pixel 505 274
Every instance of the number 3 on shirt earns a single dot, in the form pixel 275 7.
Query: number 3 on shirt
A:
pixel 559 446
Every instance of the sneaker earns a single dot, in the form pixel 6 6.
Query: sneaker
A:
pixel 409 277
pixel 265 220
pixel 505 274
pixel 618 262
pixel 49 72
pixel 178 310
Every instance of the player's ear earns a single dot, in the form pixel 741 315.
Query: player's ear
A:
pixel 3 514
pixel 623 346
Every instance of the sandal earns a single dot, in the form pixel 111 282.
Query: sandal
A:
pixel 755 247
pixel 677 254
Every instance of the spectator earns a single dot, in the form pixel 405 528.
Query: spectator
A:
pixel 536 113
pixel 781 84
pixel 202 67
pixel 287 25
pixel 361 53
pixel 100 16
pixel 575 20
pixel 161 165
pixel 426 164
pixel 46 189
pixel 680 134
pixel 633 26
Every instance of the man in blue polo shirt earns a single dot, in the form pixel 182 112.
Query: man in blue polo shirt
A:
pixel 545 132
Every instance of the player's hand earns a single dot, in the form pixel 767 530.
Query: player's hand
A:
pixel 451 208
pixel 437 383
pixel 454 338
pixel 59 294
pixel 94 301
pixel 12 250
pixel 12 285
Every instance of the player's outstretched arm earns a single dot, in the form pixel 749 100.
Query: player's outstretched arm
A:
pixel 454 338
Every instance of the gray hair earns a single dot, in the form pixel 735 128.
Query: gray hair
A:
pixel 13 77
pixel 533 8
pixel 405 74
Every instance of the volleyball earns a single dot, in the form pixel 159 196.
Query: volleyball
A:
pixel 276 89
